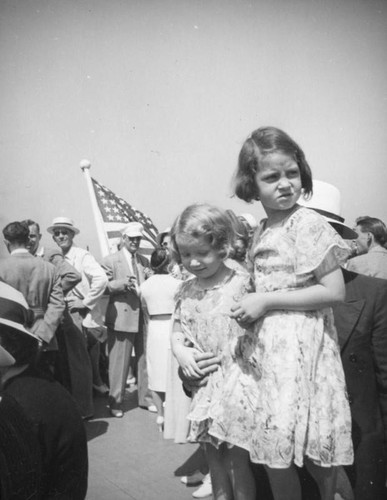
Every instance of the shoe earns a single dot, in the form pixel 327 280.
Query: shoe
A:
pixel 116 412
pixel 193 479
pixel 130 381
pixel 160 423
pixel 102 389
pixel 205 489
pixel 152 408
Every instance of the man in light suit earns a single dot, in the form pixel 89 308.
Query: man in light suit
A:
pixel 126 270
pixel 84 306
pixel 38 281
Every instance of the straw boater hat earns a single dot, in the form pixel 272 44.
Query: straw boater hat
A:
pixel 133 230
pixel 326 200
pixel 62 223
pixel 14 313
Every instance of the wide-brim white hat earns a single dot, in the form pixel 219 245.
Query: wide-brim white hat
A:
pixel 133 230
pixel 326 200
pixel 159 237
pixel 62 223
pixel 5 358
pixel 14 310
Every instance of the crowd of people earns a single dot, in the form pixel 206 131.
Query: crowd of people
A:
pixel 264 343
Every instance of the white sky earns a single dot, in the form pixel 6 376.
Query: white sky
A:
pixel 159 95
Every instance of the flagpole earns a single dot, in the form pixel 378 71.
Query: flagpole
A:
pixel 102 237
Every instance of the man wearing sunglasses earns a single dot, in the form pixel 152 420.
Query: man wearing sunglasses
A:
pixel 84 305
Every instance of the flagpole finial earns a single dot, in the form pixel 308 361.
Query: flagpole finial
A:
pixel 85 164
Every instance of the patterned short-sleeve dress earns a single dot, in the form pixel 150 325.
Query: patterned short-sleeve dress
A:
pixel 220 411
pixel 302 407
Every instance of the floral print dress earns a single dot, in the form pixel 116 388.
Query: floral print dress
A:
pixel 222 411
pixel 302 405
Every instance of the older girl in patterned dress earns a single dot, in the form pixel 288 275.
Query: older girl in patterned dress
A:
pixel 302 415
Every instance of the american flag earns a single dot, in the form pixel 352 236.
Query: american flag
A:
pixel 117 213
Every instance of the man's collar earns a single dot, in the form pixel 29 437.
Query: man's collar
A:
pixel 129 254
pixel 19 250
pixel 39 252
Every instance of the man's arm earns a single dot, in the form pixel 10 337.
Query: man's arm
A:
pixel 69 276
pixel 46 329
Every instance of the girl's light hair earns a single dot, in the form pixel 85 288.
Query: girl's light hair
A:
pixel 262 142
pixel 203 220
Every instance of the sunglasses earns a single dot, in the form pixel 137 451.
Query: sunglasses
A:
pixel 57 232
pixel 133 238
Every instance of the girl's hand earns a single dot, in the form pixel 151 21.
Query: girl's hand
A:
pixel 249 309
pixel 186 358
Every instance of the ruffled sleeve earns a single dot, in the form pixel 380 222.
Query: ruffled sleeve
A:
pixel 319 248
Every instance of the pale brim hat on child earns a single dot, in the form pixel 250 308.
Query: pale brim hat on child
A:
pixel 62 223
pixel 14 313
pixel 326 200
pixel 250 219
pixel 133 230
pixel 159 237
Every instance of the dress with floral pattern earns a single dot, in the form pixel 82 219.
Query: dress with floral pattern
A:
pixel 222 410
pixel 302 407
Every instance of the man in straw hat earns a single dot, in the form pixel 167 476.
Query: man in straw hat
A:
pixel 56 422
pixel 84 305
pixel 126 270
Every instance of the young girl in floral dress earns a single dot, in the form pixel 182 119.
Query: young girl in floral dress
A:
pixel 220 417
pixel 302 415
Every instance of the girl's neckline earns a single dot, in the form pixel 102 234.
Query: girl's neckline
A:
pixel 282 222
pixel 226 277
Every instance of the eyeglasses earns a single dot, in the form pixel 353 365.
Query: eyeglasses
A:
pixel 57 232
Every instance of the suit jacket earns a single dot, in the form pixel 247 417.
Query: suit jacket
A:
pixel 40 284
pixel 361 323
pixel 123 311
pixel 373 263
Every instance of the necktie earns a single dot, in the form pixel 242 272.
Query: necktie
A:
pixel 135 269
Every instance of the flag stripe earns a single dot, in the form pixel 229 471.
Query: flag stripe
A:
pixel 117 213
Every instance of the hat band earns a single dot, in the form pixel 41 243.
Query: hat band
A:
pixel 329 215
pixel 12 311
pixel 63 224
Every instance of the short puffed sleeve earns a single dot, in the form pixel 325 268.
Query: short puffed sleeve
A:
pixel 319 248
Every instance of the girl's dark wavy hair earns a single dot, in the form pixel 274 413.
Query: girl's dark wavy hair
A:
pixel 160 260
pixel 203 220
pixel 262 142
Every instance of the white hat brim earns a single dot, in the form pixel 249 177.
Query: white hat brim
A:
pixel 17 326
pixel 6 359
pixel 74 229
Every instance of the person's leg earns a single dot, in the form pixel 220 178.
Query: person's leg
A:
pixel 94 353
pixel 120 345
pixel 158 399
pixel 325 478
pixel 144 394
pixel 284 483
pixel 237 463
pixel 221 484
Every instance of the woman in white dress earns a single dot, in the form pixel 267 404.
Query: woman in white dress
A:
pixel 157 297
